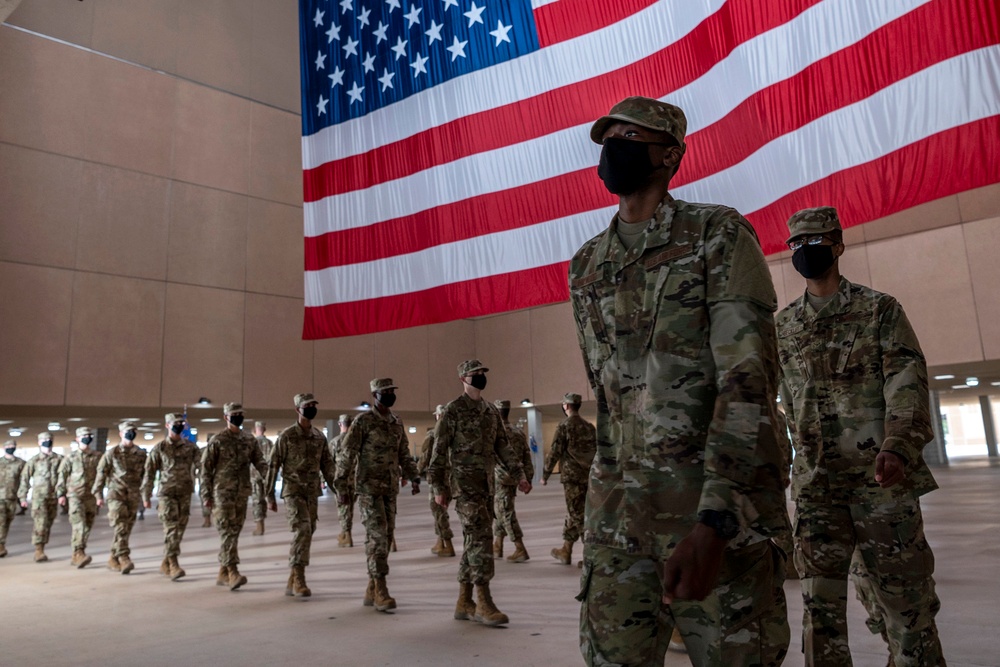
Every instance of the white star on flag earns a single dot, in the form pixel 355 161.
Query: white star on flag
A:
pixel 333 33
pixel 400 48
pixel 320 60
pixel 355 92
pixel 337 78
pixel 413 16
pixel 369 62
pixel 318 19
pixel 386 79
pixel 379 32
pixel 363 16
pixel 475 15
pixel 350 47
pixel 393 4
pixel 419 65
pixel 321 105
pixel 457 49
pixel 346 6
pixel 450 3
pixel 434 33
pixel 501 33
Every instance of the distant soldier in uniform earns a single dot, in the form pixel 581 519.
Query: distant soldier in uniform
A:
pixel 77 474
pixel 173 458
pixel 854 389
pixel 300 454
pixel 41 476
pixel 206 513
pixel 469 439
pixel 121 469
pixel 11 468
pixel 225 487
pixel 505 490
pixel 673 306
pixel 573 449
pixel 259 499
pixel 345 510
pixel 442 526
pixel 376 448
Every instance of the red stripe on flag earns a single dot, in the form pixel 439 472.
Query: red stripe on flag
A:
pixel 566 19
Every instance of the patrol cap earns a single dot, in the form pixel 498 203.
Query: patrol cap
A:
pixel 172 417
pixel 438 411
pixel 124 426
pixel 84 430
pixel 345 419
pixel 471 367
pixel 44 435
pixel 808 221
pixel 10 443
pixel 644 112
pixel 302 399
pixel 260 424
pixel 378 384
pixel 230 408
pixel 501 403
pixel 572 399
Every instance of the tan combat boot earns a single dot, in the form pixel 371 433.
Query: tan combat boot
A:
pixel 299 582
pixel 126 563
pixel 175 569
pixel 259 530
pixel 677 641
pixel 207 523
pixel 290 585
pixel 382 601
pixel 165 567
pixel 520 553
pixel 465 608
pixel 84 560
pixel 223 578
pixel 498 546
pixel 40 556
pixel 565 554
pixel 113 564
pixel 369 593
pixel 447 550
pixel 344 540
pixel 75 560
pixel 3 550
pixel 487 612
pixel 436 549
pixel 235 578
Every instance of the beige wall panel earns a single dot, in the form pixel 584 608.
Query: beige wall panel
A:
pixel 202 345
pixel 123 223
pixel 35 311
pixel 402 356
pixel 932 215
pixel 130 114
pixel 274 60
pixel 215 43
pixel 778 279
pixel 448 345
pixel 342 369
pixel 44 86
pixel 277 363
pixel 275 251
pixel 795 285
pixel 854 265
pixel 928 273
pixel 275 155
pixel 39 206
pixel 982 240
pixel 116 341
pixel 503 343
pixel 212 138
pixel 556 361
pixel 140 31
pixel 70 22
pixel 980 203
pixel 208 230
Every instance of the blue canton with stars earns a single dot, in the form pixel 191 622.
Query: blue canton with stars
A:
pixel 361 55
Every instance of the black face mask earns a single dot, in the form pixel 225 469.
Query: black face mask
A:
pixel 388 400
pixel 625 165
pixel 10 450
pixel 478 381
pixel 812 261
pixel 86 440
pixel 46 444
pixel 130 435
pixel 236 420
pixel 177 428
pixel 310 412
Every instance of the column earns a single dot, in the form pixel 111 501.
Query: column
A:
pixel 991 433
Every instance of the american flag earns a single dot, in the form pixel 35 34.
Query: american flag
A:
pixel 448 171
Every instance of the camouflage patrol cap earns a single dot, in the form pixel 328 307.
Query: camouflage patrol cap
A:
pixel 438 411
pixel 260 424
pixel 126 425
pixel 501 403
pixel 572 399
pixel 470 367
pixel 10 443
pixel 84 430
pixel 230 408
pixel 645 112
pixel 345 419
pixel 172 417
pixel 302 399
pixel 378 384
pixel 819 220
pixel 44 435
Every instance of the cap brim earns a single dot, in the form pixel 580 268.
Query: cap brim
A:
pixel 602 124
pixel 811 232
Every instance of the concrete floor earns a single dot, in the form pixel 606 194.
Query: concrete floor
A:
pixel 55 615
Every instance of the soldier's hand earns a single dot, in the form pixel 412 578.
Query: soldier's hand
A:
pixel 272 505
pixel 62 501
pixel 147 504
pixel 100 502
pixel 692 570
pixel 524 486
pixel 208 505
pixel 441 500
pixel 545 482
pixel 416 488
pixel 403 481
pixel 890 469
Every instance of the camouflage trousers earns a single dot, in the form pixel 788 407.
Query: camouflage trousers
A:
pixel 82 512
pixel 743 622
pixel 8 508
pixel 504 516
pixel 378 514
pixel 576 498
pixel 43 513
pixel 345 512
pixel 301 512
pixel 174 512
pixel 229 516
pixel 442 526
pixel 894 565
pixel 475 512
pixel 258 500
pixel 121 516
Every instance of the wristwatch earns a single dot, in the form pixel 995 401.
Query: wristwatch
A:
pixel 724 523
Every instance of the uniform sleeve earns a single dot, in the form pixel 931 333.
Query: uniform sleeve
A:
pixel 425 453
pixel 907 403
pixel 63 477
pixel 505 451
pixel 555 451
pixel 25 485
pixel 526 463
pixel 347 459
pixel 149 475
pixel 406 461
pixel 328 466
pixel 208 463
pixel 274 464
pixel 439 467
pixel 102 473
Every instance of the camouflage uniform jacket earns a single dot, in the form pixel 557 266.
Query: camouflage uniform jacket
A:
pixel 77 473
pixel 175 461
pixel 854 383
pixel 10 477
pixel 679 346
pixel 468 440
pixel 121 469
pixel 300 456
pixel 523 454
pixel 426 449
pixel 336 454
pixel 265 445
pixel 225 467
pixel 573 448
pixel 377 448
pixel 42 476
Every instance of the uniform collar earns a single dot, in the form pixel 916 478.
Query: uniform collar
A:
pixel 840 302
pixel 611 249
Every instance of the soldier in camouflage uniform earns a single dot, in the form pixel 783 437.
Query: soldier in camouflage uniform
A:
pixel 377 449
pixel 345 510
pixel 225 487
pixel 673 306
pixel 206 514
pixel 573 449
pixel 41 475
pixel 174 459
pixel 76 479
pixel 121 469
pixel 505 490
pixel 258 481
pixel 442 526
pixel 854 387
pixel 469 439
pixel 300 454
pixel 11 468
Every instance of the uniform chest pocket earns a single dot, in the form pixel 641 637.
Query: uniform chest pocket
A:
pixel 592 322
pixel 841 346
pixel 675 298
